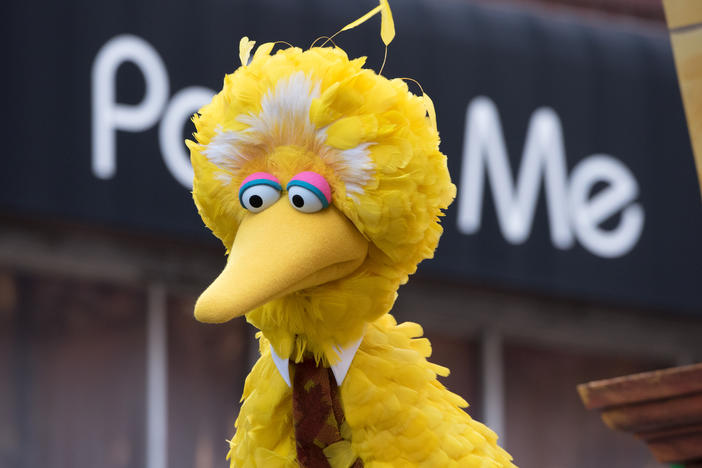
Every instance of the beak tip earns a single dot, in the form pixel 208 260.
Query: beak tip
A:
pixel 206 311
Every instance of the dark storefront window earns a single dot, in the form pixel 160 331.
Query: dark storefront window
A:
pixel 73 354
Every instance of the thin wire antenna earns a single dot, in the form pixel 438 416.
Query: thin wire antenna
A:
pixel 283 42
pixel 331 38
pixel 328 39
pixel 415 82
pixel 428 103
pixel 385 58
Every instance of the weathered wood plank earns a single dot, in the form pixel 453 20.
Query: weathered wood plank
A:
pixel 653 385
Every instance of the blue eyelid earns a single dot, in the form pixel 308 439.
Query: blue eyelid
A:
pixel 251 183
pixel 311 188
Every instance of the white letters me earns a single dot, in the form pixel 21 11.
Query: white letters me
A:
pixel 110 116
pixel 572 212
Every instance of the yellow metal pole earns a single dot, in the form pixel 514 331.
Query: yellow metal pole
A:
pixel 685 25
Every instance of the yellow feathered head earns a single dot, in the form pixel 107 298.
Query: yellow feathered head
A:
pixel 369 137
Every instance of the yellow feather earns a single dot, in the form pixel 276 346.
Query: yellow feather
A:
pixel 245 46
pixel 340 454
pixel 363 18
pixel 264 50
pixel 349 132
pixel 429 104
pixel 428 427
pixel 387 25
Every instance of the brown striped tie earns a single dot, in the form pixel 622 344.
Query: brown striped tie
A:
pixel 317 414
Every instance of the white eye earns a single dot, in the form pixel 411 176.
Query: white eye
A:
pixel 305 200
pixel 257 198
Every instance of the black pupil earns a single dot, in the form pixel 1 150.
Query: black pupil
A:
pixel 255 201
pixel 298 201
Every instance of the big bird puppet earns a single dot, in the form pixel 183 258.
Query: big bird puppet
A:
pixel 325 182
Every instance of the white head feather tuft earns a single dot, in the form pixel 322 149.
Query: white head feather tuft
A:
pixel 284 119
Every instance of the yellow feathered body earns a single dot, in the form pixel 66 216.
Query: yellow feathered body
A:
pixel 397 413
pixel 378 147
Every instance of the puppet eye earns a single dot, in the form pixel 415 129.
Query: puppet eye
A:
pixel 309 192
pixel 259 191
pixel 304 199
pixel 259 197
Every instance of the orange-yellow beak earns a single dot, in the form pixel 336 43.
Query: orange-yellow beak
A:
pixel 279 251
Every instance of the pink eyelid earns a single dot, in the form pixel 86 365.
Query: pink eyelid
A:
pixel 317 181
pixel 259 175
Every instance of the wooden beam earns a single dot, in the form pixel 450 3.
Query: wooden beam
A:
pixel 662 408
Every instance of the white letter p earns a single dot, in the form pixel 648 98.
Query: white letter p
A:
pixel 110 116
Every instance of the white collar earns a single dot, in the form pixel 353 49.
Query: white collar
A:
pixel 340 369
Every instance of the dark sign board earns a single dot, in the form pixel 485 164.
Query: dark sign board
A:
pixel 566 139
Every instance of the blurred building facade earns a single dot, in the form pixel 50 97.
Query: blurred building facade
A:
pixel 571 253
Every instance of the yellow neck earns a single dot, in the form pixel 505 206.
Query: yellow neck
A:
pixel 317 320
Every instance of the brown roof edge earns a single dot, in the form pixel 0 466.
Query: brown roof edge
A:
pixel 663 408
pixel 654 385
